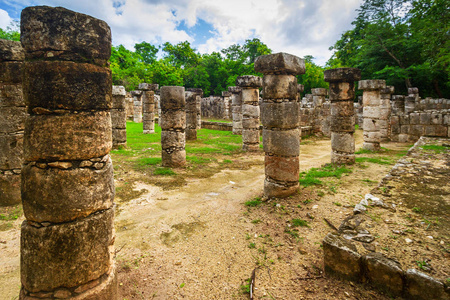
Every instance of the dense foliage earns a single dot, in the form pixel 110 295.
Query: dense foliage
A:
pixel 405 42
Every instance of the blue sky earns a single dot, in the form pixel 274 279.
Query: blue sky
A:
pixel 299 27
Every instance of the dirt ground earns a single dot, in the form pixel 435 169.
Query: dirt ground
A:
pixel 200 241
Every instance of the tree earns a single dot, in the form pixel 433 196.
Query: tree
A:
pixel 11 33
pixel 181 54
pixel 254 48
pixel 313 77
pixel 147 52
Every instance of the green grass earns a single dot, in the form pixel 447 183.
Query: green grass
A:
pixel 299 223
pixel 435 148
pixel 253 203
pixel 374 160
pixel 329 170
pixel 220 120
pixel 364 151
pixel 12 215
pixel 163 171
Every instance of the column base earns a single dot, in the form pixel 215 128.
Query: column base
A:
pixel 250 147
pixel 148 131
pixel 275 190
pixel 342 158
pixel 175 159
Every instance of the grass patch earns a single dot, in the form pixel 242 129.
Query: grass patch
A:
pixel 164 171
pixel 253 203
pixel 220 120
pixel 374 160
pixel 329 170
pixel 435 148
pixel 364 151
pixel 14 214
pixel 299 223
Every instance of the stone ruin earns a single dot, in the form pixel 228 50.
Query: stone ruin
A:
pixel 279 116
pixel 250 85
pixel 173 125
pixel 119 117
pixel 342 93
pixel 193 112
pixel 137 106
pixel 12 121
pixel 67 239
pixel 148 106
pixel 236 108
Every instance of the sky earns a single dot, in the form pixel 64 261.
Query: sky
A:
pixel 298 27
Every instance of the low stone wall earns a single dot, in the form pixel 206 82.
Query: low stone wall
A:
pixel 214 107
pixel 217 126
pixel 409 127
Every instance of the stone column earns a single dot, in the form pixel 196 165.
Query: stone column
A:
pixel 137 106
pixel 192 112
pixel 119 117
pixel 371 112
pixel 398 104
pixel 318 95
pixel 12 121
pixel 236 108
pixel 226 104
pixel 148 106
pixel 412 100
pixel 198 102
pixel 129 106
pixel 280 119
pixel 250 111
pixel 67 239
pixel 301 88
pixel 173 125
pixel 385 113
pixel 342 93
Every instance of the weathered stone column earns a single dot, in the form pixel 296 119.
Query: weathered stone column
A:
pixel 173 125
pixel 319 95
pixel 371 112
pixel 129 106
pixel 250 111
pixel 280 119
pixel 12 121
pixel 342 93
pixel 137 106
pixel 226 95
pixel 385 113
pixel 67 239
pixel 148 105
pixel 301 88
pixel 192 112
pixel 236 108
pixel 398 104
pixel 412 100
pixel 119 117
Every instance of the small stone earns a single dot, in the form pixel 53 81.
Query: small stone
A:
pixel 41 165
pixel 60 164
pixel 302 251
pixel 315 206
pixel 62 294
pixel 359 209
pixel 430 237
pixel 98 166
pixel 409 241
pixel 85 163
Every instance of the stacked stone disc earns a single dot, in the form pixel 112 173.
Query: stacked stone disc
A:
pixel 236 108
pixel 137 106
pixel 280 119
pixel 192 112
pixel 342 93
pixel 67 239
pixel 319 95
pixel 250 85
pixel 12 120
pixel 173 126
pixel 129 105
pixel 412 100
pixel 119 117
pixel 385 113
pixel 148 106
pixel 371 112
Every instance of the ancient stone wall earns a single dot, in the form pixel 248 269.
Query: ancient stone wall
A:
pixel 280 119
pixel 67 239
pixel 213 107
pixel 119 117
pixel 236 108
pixel 12 121
pixel 173 126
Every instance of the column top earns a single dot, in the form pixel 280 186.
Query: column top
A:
pixel 280 63
pixel 413 90
pixel 234 89
pixel 148 86
pixel 58 32
pixel 388 90
pixel 11 51
pixel 371 84
pixel 226 94
pixel 249 81
pixel 118 90
pixel 342 75
pixel 136 93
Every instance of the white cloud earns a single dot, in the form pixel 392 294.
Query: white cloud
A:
pixel 5 19
pixel 300 27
